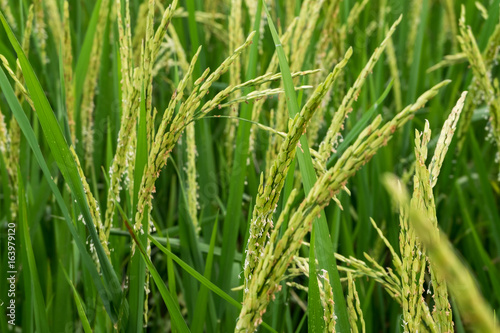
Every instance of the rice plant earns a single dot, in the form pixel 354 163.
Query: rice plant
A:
pixel 245 165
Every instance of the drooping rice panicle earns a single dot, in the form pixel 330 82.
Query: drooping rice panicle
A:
pixel 130 99
pixel 140 30
pixel 268 195
pixel 257 95
pixel 277 255
pixel 426 179
pixel 304 28
pixel 54 20
pixel 10 166
pixel 480 88
pixel 328 302
pixel 329 49
pixel 449 60
pixel 393 68
pixel 13 137
pixel 482 76
pixel 235 40
pixel 447 132
pixel 211 21
pixel 474 309
pixel 451 22
pixel 90 86
pixel 328 144
pixel 40 31
pixel 6 9
pixel 69 91
pixel 413 257
pixel 414 22
pixel 93 205
pixel 411 267
pixel 389 279
pixel 354 306
pixel 17 78
pixel 191 173
pixel 353 17
pixel 166 140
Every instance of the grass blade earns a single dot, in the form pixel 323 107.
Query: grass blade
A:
pixel 315 320
pixel 79 305
pixel 41 321
pixel 202 299
pixel 174 311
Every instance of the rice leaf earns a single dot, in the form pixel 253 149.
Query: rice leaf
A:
pixel 174 311
pixel 315 320
pixel 41 321
pixel 79 305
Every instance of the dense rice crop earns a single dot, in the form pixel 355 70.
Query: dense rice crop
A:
pixel 243 165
